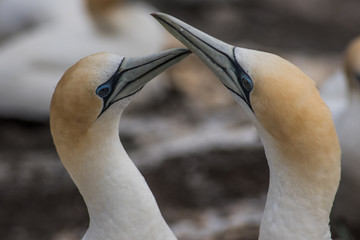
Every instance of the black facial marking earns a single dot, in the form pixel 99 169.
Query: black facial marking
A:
pixel 109 91
pixel 104 90
pixel 244 79
pixel 236 68
pixel 357 76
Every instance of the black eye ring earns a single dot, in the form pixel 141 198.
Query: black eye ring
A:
pixel 246 83
pixel 103 91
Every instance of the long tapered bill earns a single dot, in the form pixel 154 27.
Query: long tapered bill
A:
pixel 134 73
pixel 217 55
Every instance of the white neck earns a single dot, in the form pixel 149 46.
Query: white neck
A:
pixel 120 203
pixel 295 208
pixel 299 198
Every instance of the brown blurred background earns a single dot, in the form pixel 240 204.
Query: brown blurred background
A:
pixel 195 147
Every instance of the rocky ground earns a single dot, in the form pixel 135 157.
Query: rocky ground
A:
pixel 195 147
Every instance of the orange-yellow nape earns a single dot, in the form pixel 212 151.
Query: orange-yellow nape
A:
pixel 74 100
pixel 74 106
pixel 287 103
pixel 102 84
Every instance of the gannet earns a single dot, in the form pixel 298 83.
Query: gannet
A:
pixel 340 91
pixel 295 127
pixel 347 201
pixel 34 59
pixel 84 118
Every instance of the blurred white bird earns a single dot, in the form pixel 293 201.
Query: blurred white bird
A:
pixel 295 127
pixel 349 118
pixel 84 118
pixel 32 62
pixel 348 129
pixel 342 94
pixel 334 92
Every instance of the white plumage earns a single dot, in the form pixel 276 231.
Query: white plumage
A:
pixel 84 118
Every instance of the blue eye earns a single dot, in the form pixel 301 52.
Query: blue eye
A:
pixel 103 91
pixel 246 83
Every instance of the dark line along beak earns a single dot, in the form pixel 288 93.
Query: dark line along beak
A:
pixel 134 73
pixel 217 55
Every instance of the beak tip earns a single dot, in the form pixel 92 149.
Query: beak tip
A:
pixel 181 53
pixel 157 14
pixel 161 17
pixel 184 51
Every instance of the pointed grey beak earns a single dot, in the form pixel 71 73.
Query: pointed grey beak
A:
pixel 134 73
pixel 217 55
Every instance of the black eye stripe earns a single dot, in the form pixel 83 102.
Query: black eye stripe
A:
pixel 105 89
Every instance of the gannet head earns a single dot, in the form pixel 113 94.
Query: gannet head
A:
pixel 98 88
pixel 281 100
pixel 352 63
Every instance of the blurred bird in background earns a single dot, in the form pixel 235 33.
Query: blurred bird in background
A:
pixel 342 93
pixel 33 59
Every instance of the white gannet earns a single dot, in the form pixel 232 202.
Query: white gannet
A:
pixel 347 124
pixel 295 127
pixel 84 119
pixel 34 59
pixel 341 91
pixel 334 93
pixel 347 120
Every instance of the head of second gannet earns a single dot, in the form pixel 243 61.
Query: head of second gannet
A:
pixel 294 125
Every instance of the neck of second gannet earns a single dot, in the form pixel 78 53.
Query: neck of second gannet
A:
pixel 119 202
pixel 297 206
